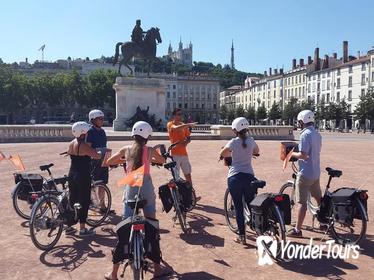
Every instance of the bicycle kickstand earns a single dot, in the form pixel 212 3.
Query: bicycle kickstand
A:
pixel 124 269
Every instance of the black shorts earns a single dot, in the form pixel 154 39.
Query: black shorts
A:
pixel 99 173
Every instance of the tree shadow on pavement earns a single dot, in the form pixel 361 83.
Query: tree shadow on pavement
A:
pixel 198 235
pixel 70 257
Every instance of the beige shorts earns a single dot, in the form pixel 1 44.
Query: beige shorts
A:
pixel 183 163
pixel 304 187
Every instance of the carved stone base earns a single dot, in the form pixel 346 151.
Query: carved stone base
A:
pixel 133 92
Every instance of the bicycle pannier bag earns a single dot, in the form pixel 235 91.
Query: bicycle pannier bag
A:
pixel 259 212
pixel 185 190
pixel 29 183
pixel 152 240
pixel 286 147
pixel 122 249
pixel 166 197
pixel 343 205
pixel 285 208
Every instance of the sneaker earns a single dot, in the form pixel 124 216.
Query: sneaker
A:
pixel 70 231
pixel 295 233
pixel 86 232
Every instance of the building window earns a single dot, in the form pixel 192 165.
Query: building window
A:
pixel 372 76
pixel 363 66
pixel 328 74
pixel 197 106
pixel 338 96
pixel 292 81
pixel 202 106
pixel 168 94
pixel 214 106
pixel 309 88
pixel 350 81
pixel 362 92
pixel 275 83
pixel 174 86
pixel 174 95
pixel 174 105
pixel 328 85
pixel 168 105
pixel 185 105
pixel 323 85
pixel 300 79
pixel 372 62
pixel 318 86
pixel 338 72
pixel 363 79
pixel 350 69
pixel 338 83
pixel 274 93
pixel 328 97
pixel 180 105
pixel 349 95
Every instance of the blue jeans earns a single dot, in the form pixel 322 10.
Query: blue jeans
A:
pixel 239 186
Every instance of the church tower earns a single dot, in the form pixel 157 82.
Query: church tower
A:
pixel 170 49
pixel 232 55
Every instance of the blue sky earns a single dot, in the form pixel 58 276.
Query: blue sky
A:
pixel 265 33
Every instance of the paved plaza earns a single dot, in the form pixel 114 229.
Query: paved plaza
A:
pixel 209 251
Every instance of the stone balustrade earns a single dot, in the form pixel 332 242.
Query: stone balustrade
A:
pixel 201 128
pixel 35 133
pixel 258 132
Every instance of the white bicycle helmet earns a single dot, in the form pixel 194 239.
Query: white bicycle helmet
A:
pixel 142 129
pixel 239 124
pixel 80 128
pixel 306 116
pixel 93 114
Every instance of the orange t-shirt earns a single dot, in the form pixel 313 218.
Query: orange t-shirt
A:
pixel 178 135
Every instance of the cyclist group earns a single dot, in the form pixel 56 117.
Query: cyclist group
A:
pixel 90 143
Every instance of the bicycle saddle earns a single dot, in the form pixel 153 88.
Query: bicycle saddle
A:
pixel 258 184
pixel 132 202
pixel 46 167
pixel 333 172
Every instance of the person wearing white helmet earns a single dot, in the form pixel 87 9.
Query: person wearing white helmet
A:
pixel 80 175
pixel 308 156
pixel 96 138
pixel 134 156
pixel 241 149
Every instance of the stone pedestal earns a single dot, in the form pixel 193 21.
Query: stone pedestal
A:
pixel 132 92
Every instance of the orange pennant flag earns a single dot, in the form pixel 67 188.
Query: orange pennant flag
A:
pixel 133 179
pixel 17 162
pixel 287 159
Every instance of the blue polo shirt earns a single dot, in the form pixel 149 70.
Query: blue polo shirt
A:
pixel 310 143
pixel 97 137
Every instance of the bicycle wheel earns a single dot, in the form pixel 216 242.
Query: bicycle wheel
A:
pixel 101 201
pixel 22 206
pixel 289 189
pixel 276 230
pixel 230 214
pixel 137 255
pixel 351 234
pixel 178 212
pixel 193 199
pixel 45 223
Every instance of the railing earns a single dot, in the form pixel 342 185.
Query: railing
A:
pixel 261 132
pixel 201 128
pixel 35 133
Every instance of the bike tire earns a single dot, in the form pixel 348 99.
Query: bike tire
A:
pixel 229 209
pixel 33 221
pixel 278 220
pixel 137 256
pixel 96 223
pixel 16 206
pixel 343 241
pixel 178 211
pixel 193 199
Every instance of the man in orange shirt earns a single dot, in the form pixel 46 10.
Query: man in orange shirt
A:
pixel 180 132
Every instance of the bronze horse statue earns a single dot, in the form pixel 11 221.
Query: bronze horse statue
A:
pixel 146 50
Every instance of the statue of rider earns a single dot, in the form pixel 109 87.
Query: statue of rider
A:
pixel 137 33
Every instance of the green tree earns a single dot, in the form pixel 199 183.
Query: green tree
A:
pixel 250 114
pixel 223 112
pixel 275 112
pixel 261 113
pixel 239 112
pixel 231 115
pixel 365 108
pixel 290 111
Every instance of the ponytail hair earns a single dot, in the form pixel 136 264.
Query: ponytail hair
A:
pixel 136 152
pixel 242 134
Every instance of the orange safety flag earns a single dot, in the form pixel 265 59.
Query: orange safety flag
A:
pixel 287 159
pixel 133 179
pixel 17 162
